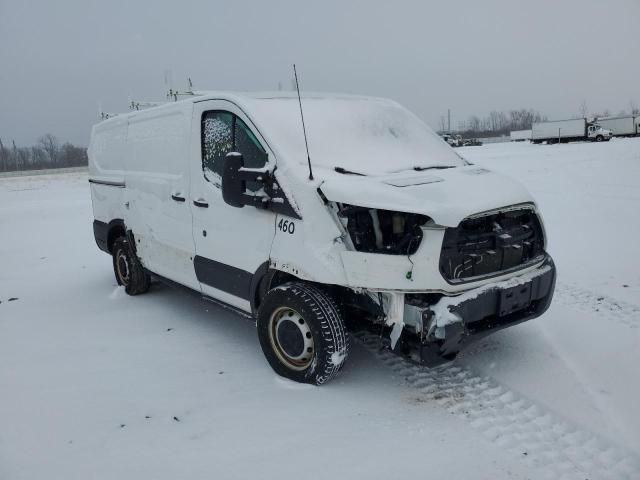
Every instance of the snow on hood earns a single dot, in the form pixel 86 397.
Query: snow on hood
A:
pixel 368 135
pixel 447 196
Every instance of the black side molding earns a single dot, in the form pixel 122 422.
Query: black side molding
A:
pixel 101 234
pixel 107 182
pixel 223 277
pixel 104 232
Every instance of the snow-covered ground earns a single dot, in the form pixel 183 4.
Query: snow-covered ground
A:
pixel 96 384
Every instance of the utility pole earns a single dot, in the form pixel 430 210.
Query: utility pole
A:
pixel 448 120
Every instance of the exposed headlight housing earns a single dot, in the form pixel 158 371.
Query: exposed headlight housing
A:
pixel 382 231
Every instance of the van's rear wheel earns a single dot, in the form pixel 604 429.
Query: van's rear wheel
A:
pixel 128 269
pixel 302 333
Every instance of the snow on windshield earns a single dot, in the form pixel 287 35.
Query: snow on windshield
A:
pixel 370 136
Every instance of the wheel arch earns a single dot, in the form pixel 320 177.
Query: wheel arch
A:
pixel 264 279
pixel 116 228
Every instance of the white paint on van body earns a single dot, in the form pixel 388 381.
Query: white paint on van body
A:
pixel 157 153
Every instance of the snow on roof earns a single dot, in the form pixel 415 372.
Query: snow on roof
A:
pixel 362 134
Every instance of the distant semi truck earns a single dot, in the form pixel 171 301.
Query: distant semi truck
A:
pixel 520 135
pixel 569 131
pixel 626 126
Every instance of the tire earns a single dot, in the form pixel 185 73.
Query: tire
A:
pixel 302 333
pixel 128 269
pixel 599 138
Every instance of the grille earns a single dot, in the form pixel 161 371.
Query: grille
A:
pixel 491 244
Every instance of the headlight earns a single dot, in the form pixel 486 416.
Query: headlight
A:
pixel 382 231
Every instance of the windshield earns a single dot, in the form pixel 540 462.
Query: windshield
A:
pixel 371 136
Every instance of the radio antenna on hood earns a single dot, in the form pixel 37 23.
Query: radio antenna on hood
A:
pixel 304 130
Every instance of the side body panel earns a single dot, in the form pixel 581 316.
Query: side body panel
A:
pixel 106 164
pixel 157 178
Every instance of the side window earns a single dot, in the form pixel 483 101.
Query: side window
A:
pixel 247 144
pixel 217 141
pixel 223 132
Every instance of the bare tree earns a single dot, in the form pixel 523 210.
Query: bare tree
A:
pixel 584 110
pixel 4 157
pixel 494 121
pixel 14 155
pixel 49 144
pixel 633 106
pixel 38 157
pixel 443 123
pixel 474 123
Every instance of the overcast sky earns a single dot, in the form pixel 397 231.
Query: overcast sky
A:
pixel 59 59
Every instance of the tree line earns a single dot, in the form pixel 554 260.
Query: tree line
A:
pixel 46 153
pixel 496 123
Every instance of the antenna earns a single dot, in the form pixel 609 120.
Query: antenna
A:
pixel 304 130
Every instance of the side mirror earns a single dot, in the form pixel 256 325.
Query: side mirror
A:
pixel 233 183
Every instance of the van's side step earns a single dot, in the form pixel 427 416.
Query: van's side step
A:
pixel 220 303
pixel 228 307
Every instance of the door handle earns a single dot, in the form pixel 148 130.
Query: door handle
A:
pixel 177 197
pixel 201 203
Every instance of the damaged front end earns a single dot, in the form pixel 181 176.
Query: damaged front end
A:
pixel 452 323
pixel 494 266
pixel 433 328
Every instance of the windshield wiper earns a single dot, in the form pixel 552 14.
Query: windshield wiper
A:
pixel 433 167
pixel 344 171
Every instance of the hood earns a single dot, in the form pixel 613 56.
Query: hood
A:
pixel 447 196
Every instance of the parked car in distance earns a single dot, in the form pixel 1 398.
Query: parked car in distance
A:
pixel 471 142
pixel 452 139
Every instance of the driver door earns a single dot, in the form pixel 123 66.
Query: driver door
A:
pixel 231 243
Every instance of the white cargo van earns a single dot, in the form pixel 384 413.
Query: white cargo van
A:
pixel 393 231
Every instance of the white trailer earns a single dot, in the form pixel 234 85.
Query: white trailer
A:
pixel 520 135
pixel 628 125
pixel 568 131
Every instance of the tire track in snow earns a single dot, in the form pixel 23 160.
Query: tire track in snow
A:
pixel 591 302
pixel 543 441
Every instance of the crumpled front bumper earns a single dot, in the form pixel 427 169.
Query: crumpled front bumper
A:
pixel 500 306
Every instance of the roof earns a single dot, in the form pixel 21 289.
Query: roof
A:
pixel 239 98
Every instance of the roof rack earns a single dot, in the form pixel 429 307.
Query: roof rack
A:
pixel 135 105
pixel 106 115
pixel 174 94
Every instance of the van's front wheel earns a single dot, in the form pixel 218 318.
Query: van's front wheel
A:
pixel 302 333
pixel 128 269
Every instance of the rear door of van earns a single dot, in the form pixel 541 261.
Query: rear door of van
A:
pixel 157 190
pixel 232 244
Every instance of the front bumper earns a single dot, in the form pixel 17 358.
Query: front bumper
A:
pixel 492 308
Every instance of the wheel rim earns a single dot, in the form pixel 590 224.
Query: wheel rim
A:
pixel 291 338
pixel 122 266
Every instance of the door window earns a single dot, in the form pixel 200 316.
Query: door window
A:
pixel 223 132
